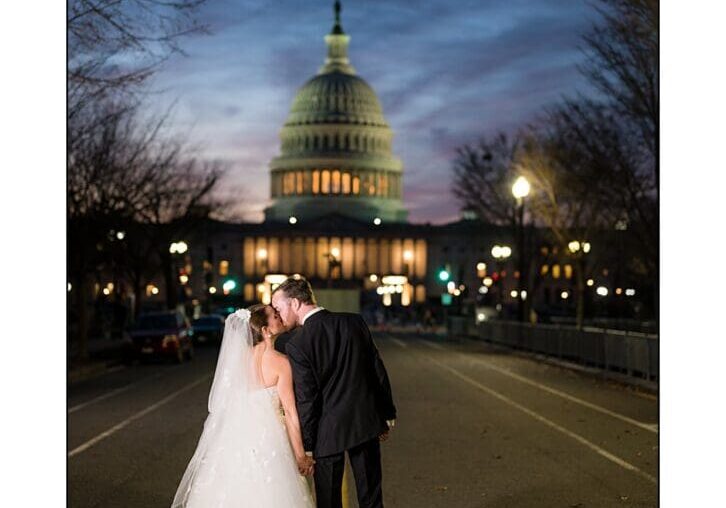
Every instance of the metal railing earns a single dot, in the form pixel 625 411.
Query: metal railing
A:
pixel 632 353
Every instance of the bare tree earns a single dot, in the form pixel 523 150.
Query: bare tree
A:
pixel 622 64
pixel 570 194
pixel 128 175
pixel 483 176
pixel 114 46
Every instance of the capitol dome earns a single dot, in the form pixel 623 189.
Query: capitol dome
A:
pixel 336 147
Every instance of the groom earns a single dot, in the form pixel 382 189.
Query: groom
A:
pixel 342 393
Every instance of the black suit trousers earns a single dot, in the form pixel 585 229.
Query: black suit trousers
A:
pixel 365 461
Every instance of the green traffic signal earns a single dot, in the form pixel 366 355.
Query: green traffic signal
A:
pixel 444 275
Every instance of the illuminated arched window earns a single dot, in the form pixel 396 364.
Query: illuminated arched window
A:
pixel 335 182
pixel 555 271
pixel 369 183
pixel 325 182
pixel 316 182
pixel 383 183
pixel 345 183
pixel 299 182
pixel 356 185
pixel 288 183
pixel 568 271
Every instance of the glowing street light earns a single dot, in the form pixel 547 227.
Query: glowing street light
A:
pixel 292 219
pixel 564 295
pixel 212 290
pixel 121 235
pixel 178 248
pixel 377 221
pixel 500 252
pixel 373 277
pixel 335 252
pixel 262 253
pixel 602 291
pixel 574 246
pixel 521 187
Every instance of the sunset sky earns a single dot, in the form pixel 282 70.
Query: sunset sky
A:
pixel 445 72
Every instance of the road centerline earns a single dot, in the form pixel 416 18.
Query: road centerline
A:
pixel 600 451
pixel 107 433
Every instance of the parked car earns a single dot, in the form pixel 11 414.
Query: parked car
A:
pixel 166 335
pixel 208 329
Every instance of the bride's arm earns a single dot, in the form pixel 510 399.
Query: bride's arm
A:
pixel 287 398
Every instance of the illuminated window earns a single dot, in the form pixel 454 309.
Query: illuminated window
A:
pixel 346 183
pixel 384 185
pixel 299 182
pixel 568 271
pixel 335 187
pixel 369 184
pixel 316 182
pixel 544 270
pixel 306 182
pixel 223 267
pixel 555 271
pixel 356 185
pixel 288 183
pixel 325 182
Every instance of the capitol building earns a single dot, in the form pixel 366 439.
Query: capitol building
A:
pixel 337 217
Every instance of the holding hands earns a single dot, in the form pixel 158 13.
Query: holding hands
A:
pixel 305 465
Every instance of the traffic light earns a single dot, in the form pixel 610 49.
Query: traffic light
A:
pixel 444 275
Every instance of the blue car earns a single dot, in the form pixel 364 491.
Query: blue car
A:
pixel 208 329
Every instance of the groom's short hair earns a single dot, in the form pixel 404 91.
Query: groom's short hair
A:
pixel 297 287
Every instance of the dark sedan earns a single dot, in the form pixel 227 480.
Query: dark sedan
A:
pixel 166 335
pixel 208 329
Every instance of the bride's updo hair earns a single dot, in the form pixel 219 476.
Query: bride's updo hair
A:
pixel 258 319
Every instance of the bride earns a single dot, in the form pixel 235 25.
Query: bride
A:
pixel 251 451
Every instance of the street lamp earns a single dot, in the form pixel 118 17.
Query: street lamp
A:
pixel 500 253
pixel 520 190
pixel 178 248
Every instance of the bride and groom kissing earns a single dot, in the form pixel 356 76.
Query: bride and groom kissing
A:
pixel 275 419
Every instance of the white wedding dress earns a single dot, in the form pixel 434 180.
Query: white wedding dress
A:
pixel 244 457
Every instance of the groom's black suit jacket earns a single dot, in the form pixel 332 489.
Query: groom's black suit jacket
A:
pixel 342 391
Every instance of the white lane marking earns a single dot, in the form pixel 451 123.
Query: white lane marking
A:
pixel 103 435
pixel 650 427
pixel 398 341
pixel 112 393
pixel 613 458
pixel 434 345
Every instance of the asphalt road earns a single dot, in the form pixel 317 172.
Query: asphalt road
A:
pixel 477 426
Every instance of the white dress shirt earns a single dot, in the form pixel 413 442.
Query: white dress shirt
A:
pixel 310 313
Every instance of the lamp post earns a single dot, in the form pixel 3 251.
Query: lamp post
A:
pixel 578 249
pixel 520 190
pixel 500 253
pixel 177 250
